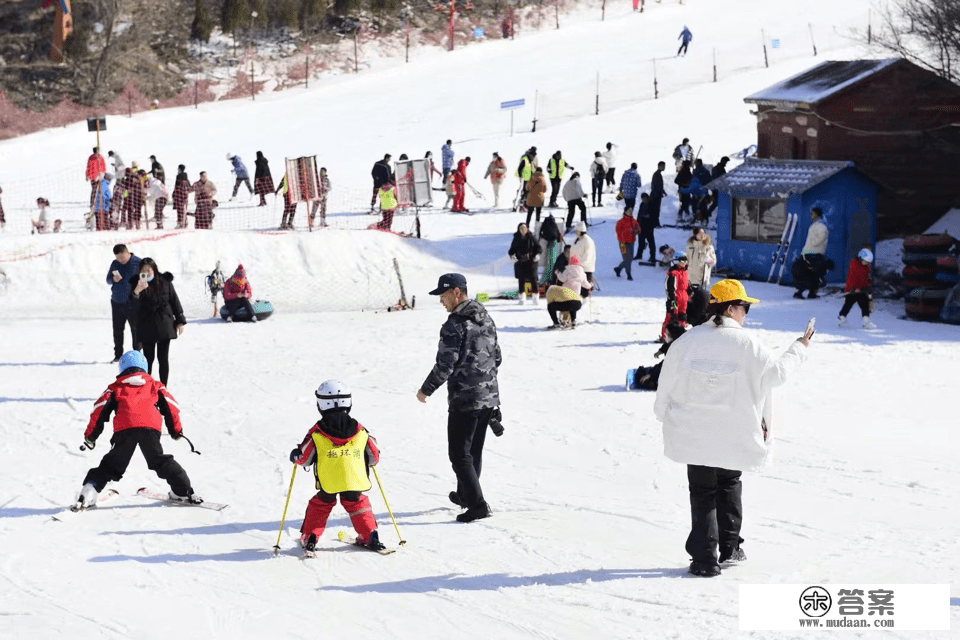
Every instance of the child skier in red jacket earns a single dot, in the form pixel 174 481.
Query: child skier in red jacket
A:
pixel 676 286
pixel 858 289
pixel 142 405
pixel 341 452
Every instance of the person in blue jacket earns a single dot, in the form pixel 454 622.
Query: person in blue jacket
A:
pixel 124 266
pixel 685 37
pixel 446 159
pixel 629 185
pixel 101 204
pixel 240 171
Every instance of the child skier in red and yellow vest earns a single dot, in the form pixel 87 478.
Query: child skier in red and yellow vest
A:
pixel 341 452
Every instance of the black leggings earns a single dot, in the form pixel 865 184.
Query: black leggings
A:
pixel 570 306
pixel 236 304
pixel 861 299
pixel 162 350
pixel 533 210
pixel 572 205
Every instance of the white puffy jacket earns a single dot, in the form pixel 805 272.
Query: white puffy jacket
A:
pixel 817 237
pixel 585 249
pixel 715 388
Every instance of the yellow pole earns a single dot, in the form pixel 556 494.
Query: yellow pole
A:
pixel 276 547
pixel 377 476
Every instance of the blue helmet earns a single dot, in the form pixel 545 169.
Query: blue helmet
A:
pixel 132 359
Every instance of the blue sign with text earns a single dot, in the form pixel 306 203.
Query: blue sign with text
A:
pixel 512 104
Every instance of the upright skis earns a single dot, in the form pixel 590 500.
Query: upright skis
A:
pixel 788 227
pixel 786 247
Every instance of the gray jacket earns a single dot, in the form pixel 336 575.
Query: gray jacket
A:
pixel 467 359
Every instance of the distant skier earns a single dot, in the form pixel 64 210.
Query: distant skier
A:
pixel 686 37
pixel 142 405
pixel 496 171
pixel 341 452
pixel 262 180
pixel 239 170
pixel 460 186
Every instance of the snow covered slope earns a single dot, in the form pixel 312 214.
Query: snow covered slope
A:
pixel 590 518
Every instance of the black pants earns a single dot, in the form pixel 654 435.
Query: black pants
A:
pixel 162 350
pixel 646 239
pixel 114 464
pixel 239 303
pixel 239 181
pixel 554 190
pixel 571 206
pixel 683 47
pixel 685 201
pixel 466 432
pixel 531 211
pixel 570 306
pixel 610 177
pixel 596 194
pixel 122 317
pixel 861 299
pixel 715 510
pixel 654 209
pixel 630 203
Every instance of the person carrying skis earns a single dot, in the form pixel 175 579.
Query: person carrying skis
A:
pixel 141 405
pixel 240 171
pixel 676 286
pixel 460 186
pixel 685 36
pixel 858 289
pixel 341 452
pixel 496 171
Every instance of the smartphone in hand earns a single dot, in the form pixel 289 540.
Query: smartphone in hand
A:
pixel 143 276
pixel 810 330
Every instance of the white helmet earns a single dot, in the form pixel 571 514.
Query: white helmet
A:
pixel 866 255
pixel 229 156
pixel 333 394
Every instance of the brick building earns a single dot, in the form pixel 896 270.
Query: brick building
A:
pixel 897 122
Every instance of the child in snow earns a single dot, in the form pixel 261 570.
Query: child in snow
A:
pixel 320 204
pixel 666 255
pixel 858 289
pixel 648 378
pixel 142 405
pixel 676 285
pixel 40 224
pixel 388 205
pixel 341 452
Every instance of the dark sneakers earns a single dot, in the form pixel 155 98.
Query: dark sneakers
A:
pixel 482 510
pixel 310 546
pixel 732 556
pixel 457 500
pixel 374 543
pixel 705 569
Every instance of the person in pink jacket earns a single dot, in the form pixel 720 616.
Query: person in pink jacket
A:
pixel 236 294
pixel 573 277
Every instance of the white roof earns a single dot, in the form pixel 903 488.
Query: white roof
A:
pixel 816 84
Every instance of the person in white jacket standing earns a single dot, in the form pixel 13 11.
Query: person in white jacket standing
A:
pixel 610 155
pixel 817 235
pixel 701 256
pixel 585 249
pixel 715 402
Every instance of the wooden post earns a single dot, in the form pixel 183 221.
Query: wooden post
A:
pixel 196 94
pixel 356 63
pixel 408 47
pixel 869 25
pixel 603 11
pixel 656 92
pixel 129 105
pixel 810 25
pixel 306 65
pixel 452 7
pixel 598 93
pixel 763 38
pixel 253 90
pixel 536 94
pixel 556 12
pixel 714 64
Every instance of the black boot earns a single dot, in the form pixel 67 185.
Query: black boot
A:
pixel 482 510
pixel 457 500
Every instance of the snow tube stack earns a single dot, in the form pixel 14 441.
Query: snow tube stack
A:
pixel 929 273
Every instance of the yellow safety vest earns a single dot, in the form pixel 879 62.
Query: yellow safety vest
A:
pixel 343 468
pixel 388 199
pixel 553 168
pixel 526 172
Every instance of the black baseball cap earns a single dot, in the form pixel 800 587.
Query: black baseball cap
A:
pixel 449 281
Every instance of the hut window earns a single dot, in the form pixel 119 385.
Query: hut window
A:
pixel 758 219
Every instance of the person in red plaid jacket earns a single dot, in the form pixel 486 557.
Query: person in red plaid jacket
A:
pixel 141 405
pixel 341 452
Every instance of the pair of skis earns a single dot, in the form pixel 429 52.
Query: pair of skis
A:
pixel 110 494
pixel 783 247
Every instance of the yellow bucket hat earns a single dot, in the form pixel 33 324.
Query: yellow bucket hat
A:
pixel 730 291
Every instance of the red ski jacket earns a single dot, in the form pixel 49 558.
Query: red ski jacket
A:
pixel 460 175
pixel 95 166
pixel 676 285
pixel 140 402
pixel 237 284
pixel 627 229
pixel 858 276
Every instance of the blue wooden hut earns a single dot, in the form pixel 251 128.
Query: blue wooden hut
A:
pixel 755 198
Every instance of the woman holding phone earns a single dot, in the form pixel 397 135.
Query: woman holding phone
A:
pixel 159 315
pixel 715 400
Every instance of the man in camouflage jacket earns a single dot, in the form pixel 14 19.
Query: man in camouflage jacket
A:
pixel 467 360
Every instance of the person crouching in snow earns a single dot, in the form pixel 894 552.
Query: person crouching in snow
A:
pixel 676 285
pixel 236 295
pixel 858 289
pixel 142 405
pixel 388 205
pixel 341 452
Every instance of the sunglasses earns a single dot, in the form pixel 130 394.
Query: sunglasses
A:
pixel 746 308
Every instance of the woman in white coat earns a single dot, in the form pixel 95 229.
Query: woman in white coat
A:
pixel 701 258
pixel 585 249
pixel 715 402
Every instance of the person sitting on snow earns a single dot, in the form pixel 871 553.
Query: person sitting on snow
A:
pixel 647 378
pixel 341 452
pixel 236 295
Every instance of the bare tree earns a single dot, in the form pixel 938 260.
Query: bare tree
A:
pixel 926 32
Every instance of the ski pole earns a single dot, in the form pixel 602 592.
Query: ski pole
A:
pixel 192 450
pixel 396 528
pixel 276 547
